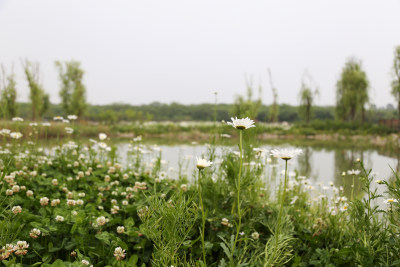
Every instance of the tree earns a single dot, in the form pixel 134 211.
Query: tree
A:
pixel 73 91
pixel 352 92
pixel 39 99
pixel 396 81
pixel 243 107
pixel 8 94
pixel 274 107
pixel 307 97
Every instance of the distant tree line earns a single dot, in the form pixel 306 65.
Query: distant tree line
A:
pixel 352 100
pixel 156 111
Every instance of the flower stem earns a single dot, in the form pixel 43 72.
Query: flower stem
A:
pixel 282 199
pixel 203 219
pixel 238 191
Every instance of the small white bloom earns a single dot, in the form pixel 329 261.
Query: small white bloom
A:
pixel 120 229
pixel 17 119
pixel 69 130
pixel 390 201
pixel 119 253
pixel 59 218
pixel 203 163
pixel 286 154
pixel 72 117
pixel 353 172
pixel 16 135
pixel 241 124
pixel 255 235
pixel 102 136
pixel 16 209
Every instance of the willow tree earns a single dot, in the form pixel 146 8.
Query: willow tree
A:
pixel 307 98
pixel 39 99
pixel 8 94
pixel 73 91
pixel 396 81
pixel 352 91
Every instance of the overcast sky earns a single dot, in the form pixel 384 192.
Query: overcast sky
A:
pixel 138 52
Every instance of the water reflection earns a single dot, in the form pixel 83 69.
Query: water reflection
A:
pixel 320 164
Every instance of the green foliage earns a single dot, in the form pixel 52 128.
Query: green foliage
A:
pixel 73 91
pixel 8 96
pixel 307 99
pixel 39 99
pixel 161 217
pixel 396 80
pixel 169 225
pixel 352 92
pixel 245 106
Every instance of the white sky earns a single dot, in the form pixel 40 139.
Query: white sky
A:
pixel 138 52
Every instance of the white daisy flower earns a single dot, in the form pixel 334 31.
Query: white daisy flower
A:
pixel 390 201
pixel 241 124
pixel 203 163
pixel 102 136
pixel 286 154
pixel 353 172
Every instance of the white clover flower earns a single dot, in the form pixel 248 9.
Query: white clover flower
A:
pixel 20 248
pixel 119 253
pixel 101 220
pixel 85 262
pixel 255 235
pixel 241 124
pixel 59 218
pixel 16 209
pixel 15 188
pixel 286 154
pixel 203 163
pixel 184 187
pixel 225 221
pixel 55 202
pixel 35 233
pixel 44 201
pixel 120 229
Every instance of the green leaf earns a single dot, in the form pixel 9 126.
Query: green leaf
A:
pixel 46 258
pixel 105 237
pixel 208 245
pixel 58 263
pixel 73 228
pixel 133 260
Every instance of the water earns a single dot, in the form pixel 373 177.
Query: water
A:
pixel 322 165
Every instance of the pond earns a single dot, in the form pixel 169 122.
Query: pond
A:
pixel 322 164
